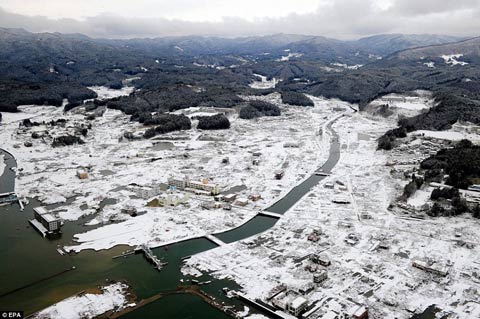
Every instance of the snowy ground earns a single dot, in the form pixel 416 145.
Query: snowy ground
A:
pixel 2 164
pixel 450 135
pixel 107 93
pixel 49 174
pixel 365 273
pixel 88 305
pixel 406 104
pixel 263 83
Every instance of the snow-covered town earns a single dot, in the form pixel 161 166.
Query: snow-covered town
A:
pixel 348 246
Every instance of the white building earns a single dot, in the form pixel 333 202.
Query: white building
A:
pixel 44 222
pixel 187 184
pixel 290 301
pixel 172 199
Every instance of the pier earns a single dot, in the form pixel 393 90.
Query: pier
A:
pixel 194 290
pixel 147 252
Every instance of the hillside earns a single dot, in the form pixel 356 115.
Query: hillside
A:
pixel 467 48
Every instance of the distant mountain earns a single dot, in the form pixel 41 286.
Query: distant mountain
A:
pixel 470 47
pixel 385 44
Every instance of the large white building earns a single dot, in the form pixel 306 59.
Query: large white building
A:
pixel 46 223
pixel 187 184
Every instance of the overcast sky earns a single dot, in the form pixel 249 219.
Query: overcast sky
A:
pixel 332 18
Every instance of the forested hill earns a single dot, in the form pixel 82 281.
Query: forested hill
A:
pixel 178 72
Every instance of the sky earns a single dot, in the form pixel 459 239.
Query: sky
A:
pixel 344 19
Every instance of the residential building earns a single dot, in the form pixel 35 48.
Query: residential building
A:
pixel 320 277
pixel 321 259
pixel 279 174
pixel 358 312
pixel 241 202
pixel 229 198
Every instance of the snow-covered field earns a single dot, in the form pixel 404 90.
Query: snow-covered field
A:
pixel 50 174
pixel 263 83
pixel 88 305
pixel 375 268
pixel 407 104
pixel 450 135
pixel 107 93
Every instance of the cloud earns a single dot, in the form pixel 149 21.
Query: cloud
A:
pixel 335 18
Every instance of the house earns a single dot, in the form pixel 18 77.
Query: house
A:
pixel 297 305
pixel 430 266
pixel 279 174
pixel 358 312
pixel 321 259
pixel 229 198
pixel 320 277
pixel 82 174
pixel 241 202
pixel 254 197
pixel 329 185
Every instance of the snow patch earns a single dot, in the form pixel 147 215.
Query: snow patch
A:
pixel 105 93
pixel 2 164
pixel 452 59
pixel 87 305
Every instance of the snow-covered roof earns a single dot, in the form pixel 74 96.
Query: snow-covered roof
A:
pixel 298 302
pixel 41 210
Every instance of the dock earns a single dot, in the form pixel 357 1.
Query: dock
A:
pixel 215 240
pixel 270 214
pixel 7 198
pixel 147 252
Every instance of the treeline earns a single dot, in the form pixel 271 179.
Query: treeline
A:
pixel 13 94
pixel 448 202
pixel 450 109
pixel 143 102
pixel 412 187
pixel 256 108
pixel 168 123
pixel 461 163
pixel 215 122
pixel 296 98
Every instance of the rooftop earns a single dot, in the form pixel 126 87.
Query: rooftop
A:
pixel 298 302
